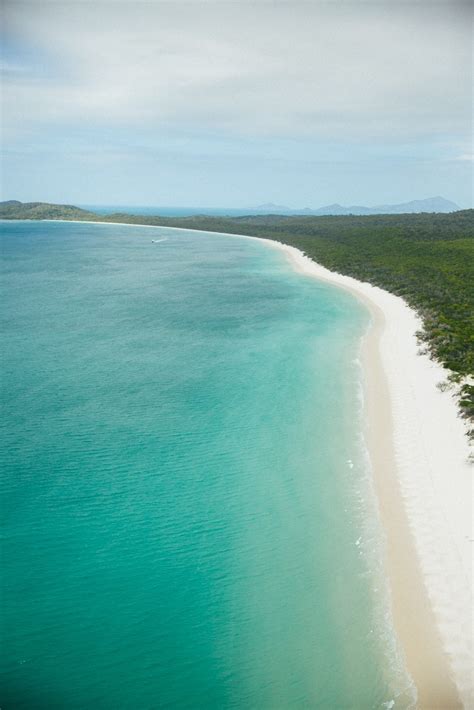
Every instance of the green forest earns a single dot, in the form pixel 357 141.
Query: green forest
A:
pixel 428 259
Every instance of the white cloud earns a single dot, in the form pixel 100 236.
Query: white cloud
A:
pixel 310 68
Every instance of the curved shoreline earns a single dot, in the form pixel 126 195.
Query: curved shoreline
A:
pixel 418 452
pixel 424 485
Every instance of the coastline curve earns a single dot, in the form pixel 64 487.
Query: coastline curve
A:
pixel 419 458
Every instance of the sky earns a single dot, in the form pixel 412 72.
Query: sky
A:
pixel 233 104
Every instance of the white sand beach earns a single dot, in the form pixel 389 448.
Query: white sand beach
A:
pixel 419 456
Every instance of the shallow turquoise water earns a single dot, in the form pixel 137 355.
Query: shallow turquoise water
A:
pixel 187 514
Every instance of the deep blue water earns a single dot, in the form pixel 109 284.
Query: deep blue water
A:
pixel 186 507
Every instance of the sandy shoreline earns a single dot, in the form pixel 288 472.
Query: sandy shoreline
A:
pixel 424 485
pixel 418 451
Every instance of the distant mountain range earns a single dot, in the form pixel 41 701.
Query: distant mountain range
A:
pixel 431 204
pixel 13 209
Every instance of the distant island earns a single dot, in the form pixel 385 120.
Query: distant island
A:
pixel 431 204
pixel 425 258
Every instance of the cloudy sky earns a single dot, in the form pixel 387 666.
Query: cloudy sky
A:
pixel 236 103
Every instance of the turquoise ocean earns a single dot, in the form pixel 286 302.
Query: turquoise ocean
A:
pixel 188 519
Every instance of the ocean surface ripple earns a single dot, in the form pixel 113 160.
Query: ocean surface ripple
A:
pixel 188 519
